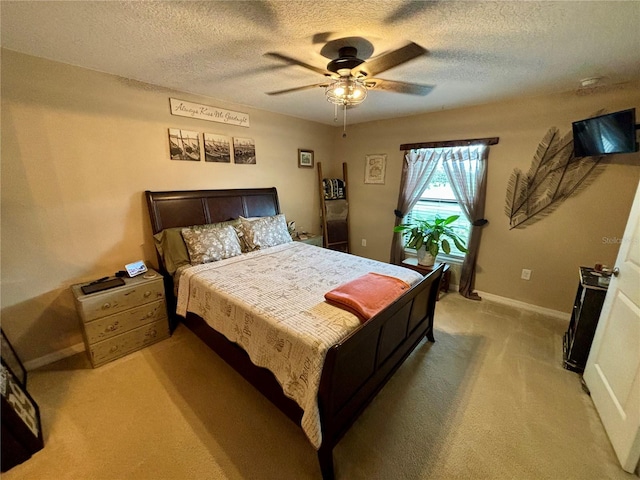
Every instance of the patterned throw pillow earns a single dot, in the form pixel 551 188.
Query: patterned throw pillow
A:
pixel 210 243
pixel 264 232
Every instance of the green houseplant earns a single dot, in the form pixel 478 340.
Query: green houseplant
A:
pixel 428 237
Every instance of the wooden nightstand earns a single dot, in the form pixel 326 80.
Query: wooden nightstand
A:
pixel 412 263
pixel 124 319
pixel 310 239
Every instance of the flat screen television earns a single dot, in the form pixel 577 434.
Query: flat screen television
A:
pixel 606 134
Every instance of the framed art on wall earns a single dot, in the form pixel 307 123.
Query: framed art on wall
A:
pixel 305 158
pixel 184 145
pixel 244 151
pixel 375 168
pixel 217 148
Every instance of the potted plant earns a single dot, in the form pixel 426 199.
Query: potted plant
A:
pixel 427 237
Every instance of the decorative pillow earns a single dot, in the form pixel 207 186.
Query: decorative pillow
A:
pixel 264 232
pixel 172 250
pixel 210 243
pixel 171 246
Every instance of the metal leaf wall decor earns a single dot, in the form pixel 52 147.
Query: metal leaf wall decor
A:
pixel 554 175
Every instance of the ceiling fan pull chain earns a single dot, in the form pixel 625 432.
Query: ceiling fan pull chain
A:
pixel 335 113
pixel 344 125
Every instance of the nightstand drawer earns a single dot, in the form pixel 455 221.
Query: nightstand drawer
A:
pixel 105 303
pixel 120 345
pixel 107 327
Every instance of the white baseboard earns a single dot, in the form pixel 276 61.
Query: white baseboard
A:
pixel 67 352
pixel 526 306
pixel 53 357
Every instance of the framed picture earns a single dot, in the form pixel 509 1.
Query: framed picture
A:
pixel 184 145
pixel 217 148
pixel 305 158
pixel 244 151
pixel 375 168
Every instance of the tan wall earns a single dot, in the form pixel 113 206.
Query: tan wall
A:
pixel 78 150
pixel 80 147
pixel 575 234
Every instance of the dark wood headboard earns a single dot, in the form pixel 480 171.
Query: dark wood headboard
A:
pixel 199 207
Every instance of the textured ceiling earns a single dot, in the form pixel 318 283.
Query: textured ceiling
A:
pixel 478 51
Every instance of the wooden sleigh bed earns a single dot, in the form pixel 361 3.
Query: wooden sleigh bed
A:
pixel 355 368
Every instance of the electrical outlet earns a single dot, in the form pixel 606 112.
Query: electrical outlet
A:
pixel 526 274
pixel 364 242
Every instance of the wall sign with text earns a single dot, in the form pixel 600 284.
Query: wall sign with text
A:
pixel 205 112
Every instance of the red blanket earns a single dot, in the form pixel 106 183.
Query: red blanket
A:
pixel 367 295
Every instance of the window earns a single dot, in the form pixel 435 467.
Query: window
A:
pixel 438 200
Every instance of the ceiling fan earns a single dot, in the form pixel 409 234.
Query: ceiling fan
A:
pixel 349 77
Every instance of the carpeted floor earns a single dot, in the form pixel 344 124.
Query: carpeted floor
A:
pixel 488 400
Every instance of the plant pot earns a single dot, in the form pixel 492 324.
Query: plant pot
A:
pixel 425 258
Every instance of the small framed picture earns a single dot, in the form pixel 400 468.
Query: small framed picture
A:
pixel 244 151
pixel 184 145
pixel 375 168
pixel 305 158
pixel 217 148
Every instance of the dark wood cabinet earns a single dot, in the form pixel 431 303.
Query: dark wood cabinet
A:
pixel 584 318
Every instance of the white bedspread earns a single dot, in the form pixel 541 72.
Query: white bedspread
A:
pixel 271 302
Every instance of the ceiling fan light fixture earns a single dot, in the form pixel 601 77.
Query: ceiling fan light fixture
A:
pixel 346 91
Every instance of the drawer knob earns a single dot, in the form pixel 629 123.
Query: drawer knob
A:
pixel 106 305
pixel 149 314
pixel 113 349
pixel 147 294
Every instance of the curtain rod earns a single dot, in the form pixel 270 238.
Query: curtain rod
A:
pixel 450 143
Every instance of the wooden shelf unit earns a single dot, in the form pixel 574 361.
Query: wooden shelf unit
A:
pixel 335 233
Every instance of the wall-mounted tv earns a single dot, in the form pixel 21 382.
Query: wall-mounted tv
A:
pixel 606 134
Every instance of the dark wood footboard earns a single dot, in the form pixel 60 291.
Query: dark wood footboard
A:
pixel 358 367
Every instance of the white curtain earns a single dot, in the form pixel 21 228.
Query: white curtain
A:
pixel 466 168
pixel 417 170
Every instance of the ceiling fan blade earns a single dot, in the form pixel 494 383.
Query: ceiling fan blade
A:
pixel 298 89
pixel 398 87
pixel 293 61
pixel 389 60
